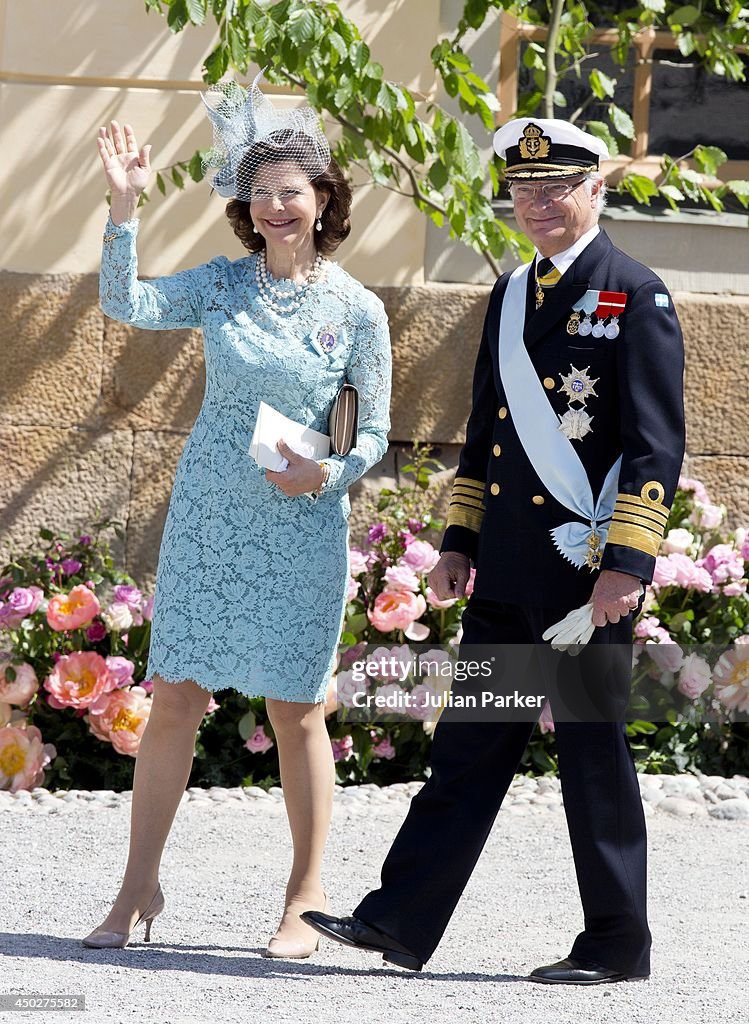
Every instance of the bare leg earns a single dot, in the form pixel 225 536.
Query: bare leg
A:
pixel 162 769
pixel 307 777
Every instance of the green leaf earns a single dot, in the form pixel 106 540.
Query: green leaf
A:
pixel 196 10
pixel 238 49
pixel 687 44
pixel 301 25
pixel 177 178
pixel 338 45
pixel 246 725
pixel 466 93
pixel 46 534
pixel 602 131
pixel 160 184
pixel 601 84
pixel 437 175
pixel 10 673
pixel 740 189
pixel 177 17
pixel 216 64
pixel 683 16
pixel 195 166
pixel 621 121
pixel 709 158
pixel 672 192
pixel 359 54
pixel 640 187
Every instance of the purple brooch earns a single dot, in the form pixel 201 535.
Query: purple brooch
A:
pixel 327 340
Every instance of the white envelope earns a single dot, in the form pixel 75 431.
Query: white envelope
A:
pixel 271 426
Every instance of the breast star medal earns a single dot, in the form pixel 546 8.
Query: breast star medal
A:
pixel 575 424
pixel 578 386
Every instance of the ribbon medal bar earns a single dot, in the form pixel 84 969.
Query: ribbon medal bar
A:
pixel 610 304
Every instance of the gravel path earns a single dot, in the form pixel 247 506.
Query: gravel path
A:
pixel 224 871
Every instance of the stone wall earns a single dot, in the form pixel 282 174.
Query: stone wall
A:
pixel 94 415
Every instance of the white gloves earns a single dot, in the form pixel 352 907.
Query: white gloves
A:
pixel 573 631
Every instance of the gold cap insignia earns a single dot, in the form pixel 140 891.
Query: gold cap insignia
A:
pixel 533 145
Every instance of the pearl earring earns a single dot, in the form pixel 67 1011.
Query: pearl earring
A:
pixel 318 225
pixel 254 230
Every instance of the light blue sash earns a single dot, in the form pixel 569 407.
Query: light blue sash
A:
pixel 551 453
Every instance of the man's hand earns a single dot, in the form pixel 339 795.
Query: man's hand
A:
pixel 449 577
pixel 302 476
pixel 615 594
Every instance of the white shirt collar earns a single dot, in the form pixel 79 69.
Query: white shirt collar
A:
pixel 563 260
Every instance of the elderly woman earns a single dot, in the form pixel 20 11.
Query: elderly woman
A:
pixel 253 567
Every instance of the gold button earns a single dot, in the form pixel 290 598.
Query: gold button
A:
pixel 502 412
pixel 497 449
pixel 538 499
pixel 495 489
pixel 548 383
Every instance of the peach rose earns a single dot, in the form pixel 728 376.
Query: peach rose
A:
pixel 21 689
pixel 23 757
pixel 70 611
pixel 78 680
pixel 731 678
pixel 396 609
pixel 120 718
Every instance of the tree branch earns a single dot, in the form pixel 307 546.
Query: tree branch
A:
pixel 550 86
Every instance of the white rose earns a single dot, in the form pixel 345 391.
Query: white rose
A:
pixel 679 541
pixel 118 617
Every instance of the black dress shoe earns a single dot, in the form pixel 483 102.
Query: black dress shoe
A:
pixel 352 932
pixel 572 971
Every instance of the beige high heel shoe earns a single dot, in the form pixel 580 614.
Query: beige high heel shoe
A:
pixel 298 948
pixel 118 940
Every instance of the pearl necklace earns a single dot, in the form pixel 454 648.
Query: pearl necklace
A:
pixel 289 297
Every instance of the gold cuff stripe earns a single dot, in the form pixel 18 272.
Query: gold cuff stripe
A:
pixel 462 489
pixel 644 524
pixel 631 536
pixel 635 515
pixel 468 503
pixel 466 481
pixel 465 517
pixel 634 508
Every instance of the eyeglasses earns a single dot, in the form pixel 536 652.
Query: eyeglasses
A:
pixel 550 192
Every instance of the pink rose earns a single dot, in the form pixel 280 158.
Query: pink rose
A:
pixel 127 593
pixel 724 563
pixel 735 589
pixel 435 602
pixel 647 627
pixel 70 611
pixel 118 617
pixel 347 688
pixel 96 631
pixel 420 556
pixel 396 609
pixel 422 703
pixel 678 541
pixel 23 757
pixel 667 655
pixel 352 589
pixel 707 516
pixel 390 662
pixel 212 706
pixel 22 602
pixel 383 750
pixel 78 680
pixel 745 549
pixel 394 697
pixel 743 639
pixel 357 562
pixel 695 676
pixel 401 577
pixel 343 748
pixel 121 670
pixel 22 688
pixel 731 678
pixel 258 743
pixel 695 487
pixel 664 574
pixel 546 719
pixel 120 718
pixel 147 609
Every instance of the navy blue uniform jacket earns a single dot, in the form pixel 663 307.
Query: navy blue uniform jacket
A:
pixel 500 512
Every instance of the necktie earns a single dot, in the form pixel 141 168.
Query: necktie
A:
pixel 547 276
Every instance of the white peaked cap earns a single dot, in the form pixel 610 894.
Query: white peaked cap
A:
pixel 536 147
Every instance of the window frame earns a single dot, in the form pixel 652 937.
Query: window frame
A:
pixel 513 32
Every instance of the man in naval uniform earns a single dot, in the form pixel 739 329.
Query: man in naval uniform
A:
pixel 572 455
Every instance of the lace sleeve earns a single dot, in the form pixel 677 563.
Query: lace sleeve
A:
pixel 370 369
pixel 159 304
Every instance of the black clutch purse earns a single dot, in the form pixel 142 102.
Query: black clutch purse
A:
pixel 343 423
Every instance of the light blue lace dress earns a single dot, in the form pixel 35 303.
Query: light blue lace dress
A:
pixel 251 584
